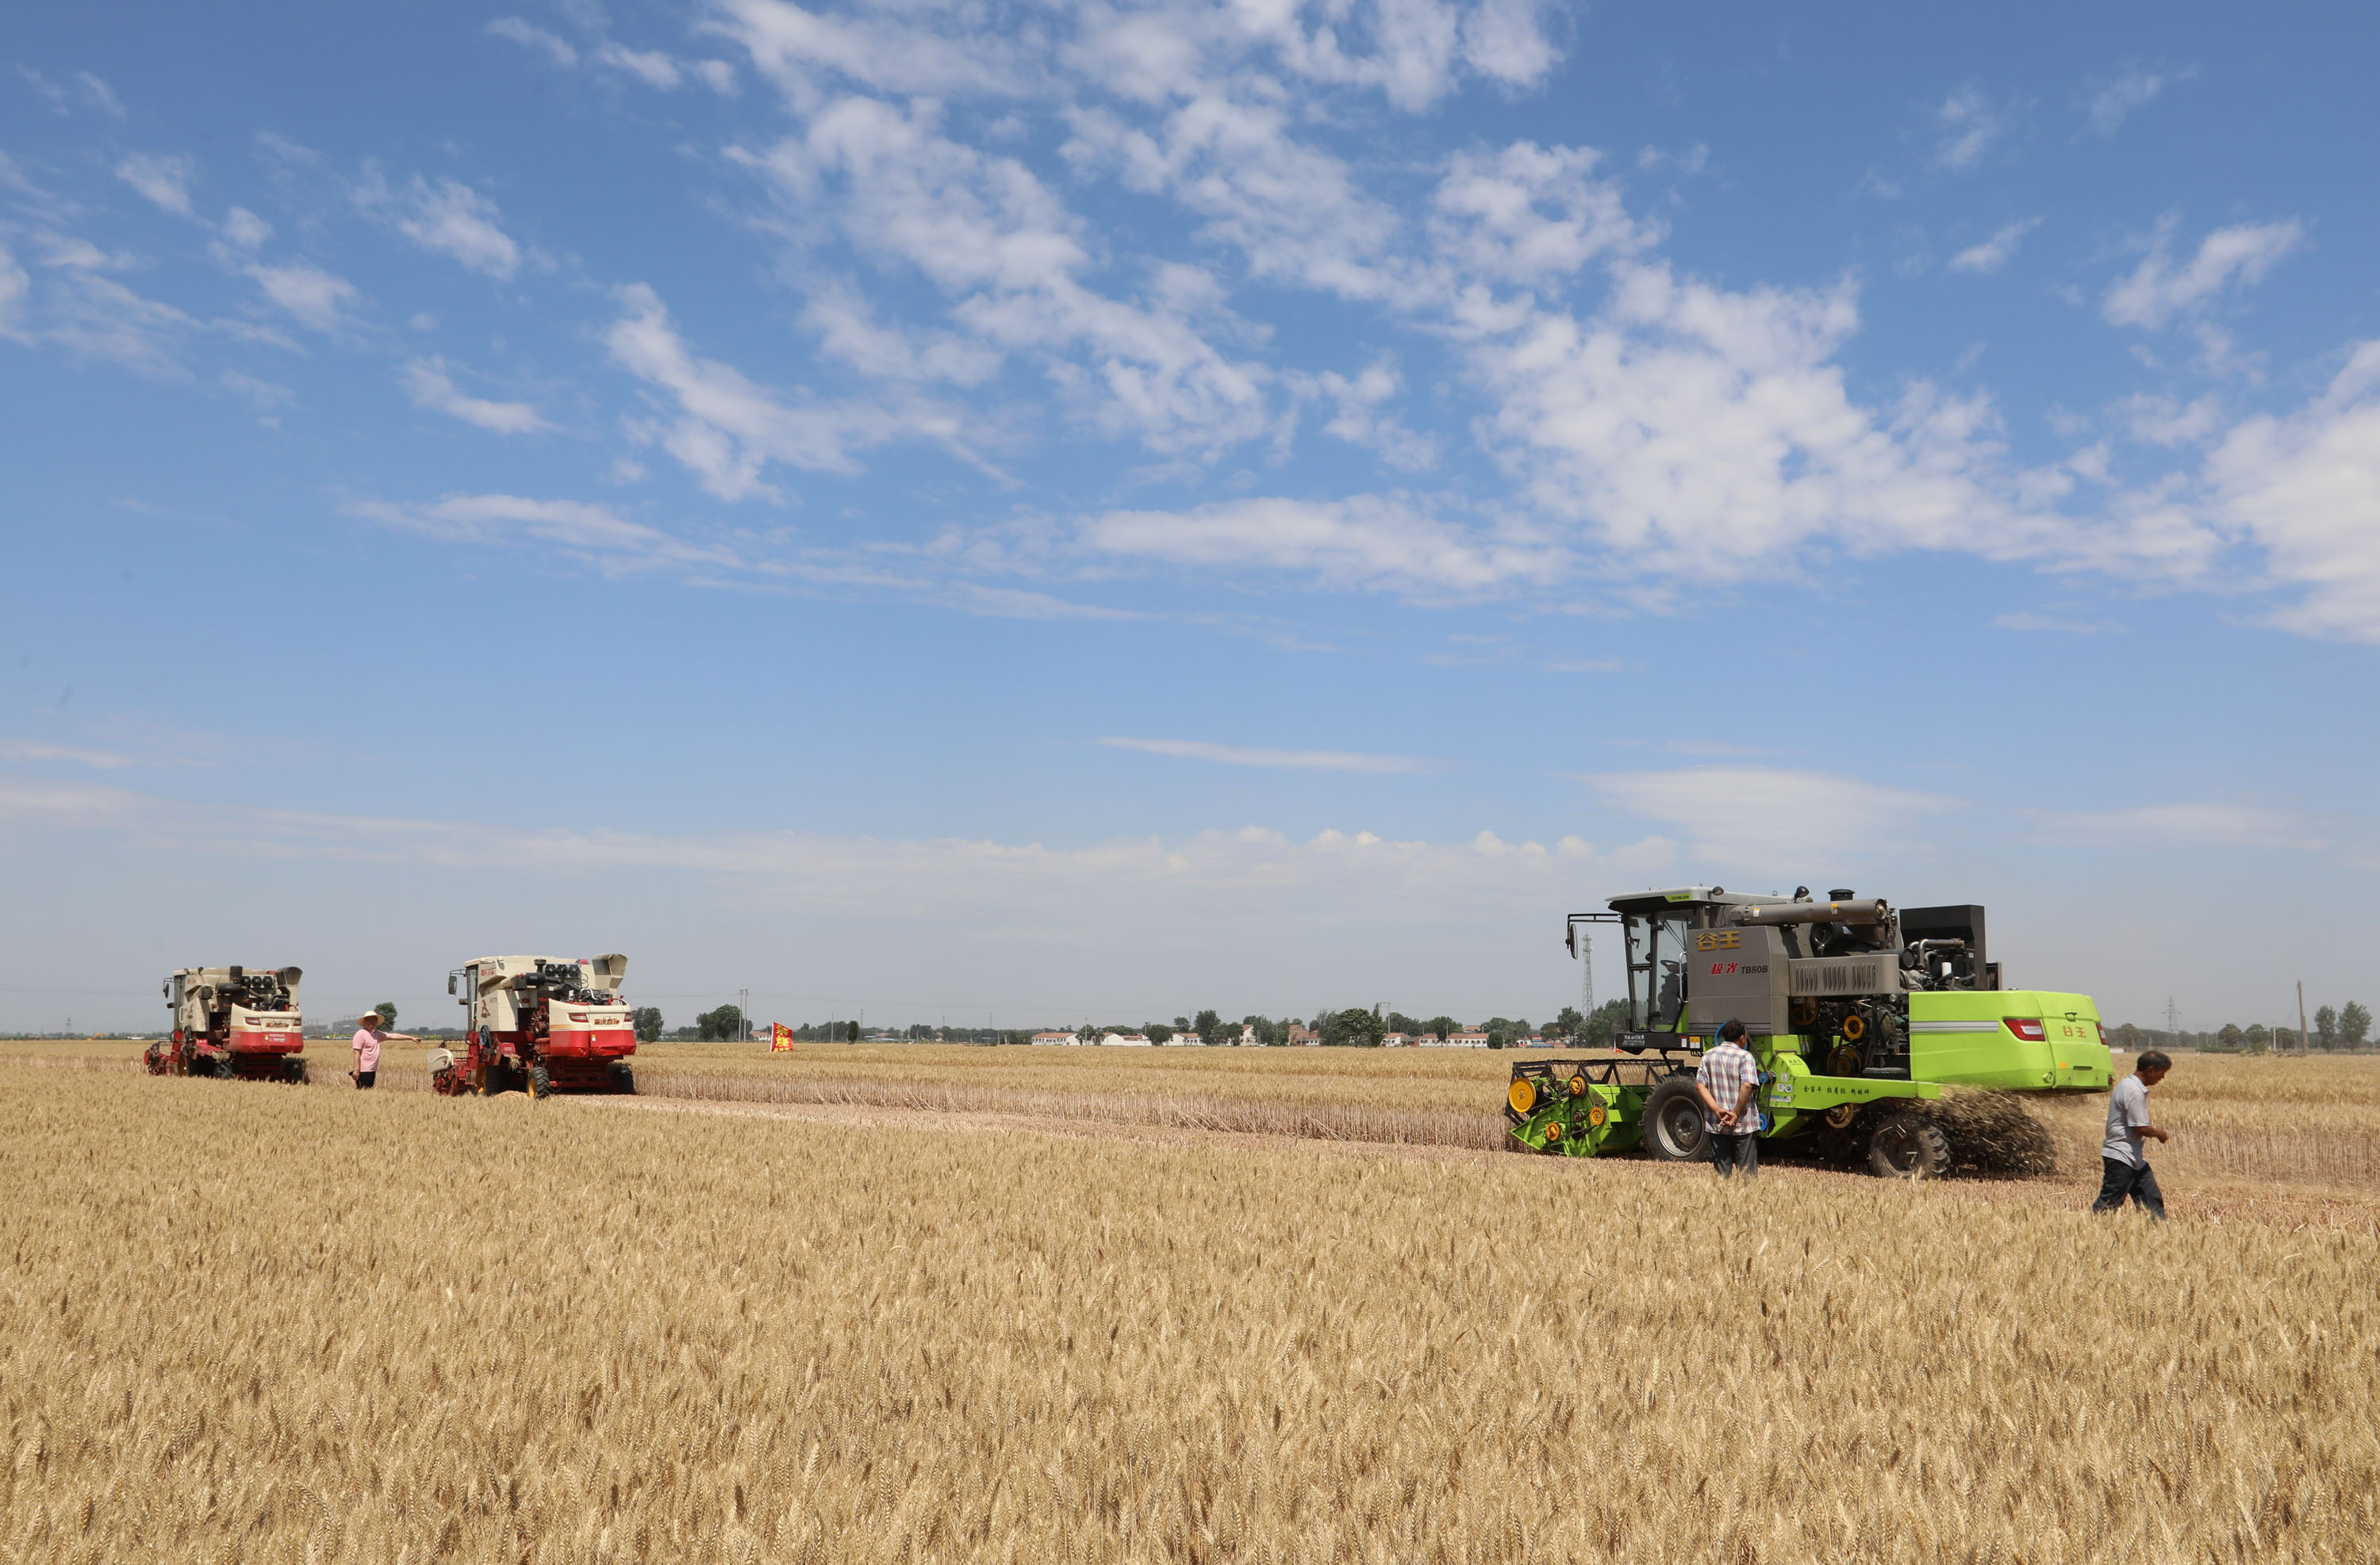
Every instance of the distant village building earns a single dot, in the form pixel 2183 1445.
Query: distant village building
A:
pixel 1126 1040
pixel 1399 1040
pixel 1300 1034
pixel 1192 1040
pixel 1055 1037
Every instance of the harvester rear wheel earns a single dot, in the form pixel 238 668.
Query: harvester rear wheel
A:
pixel 296 1071
pixel 623 1079
pixel 220 1067
pixel 1673 1122
pixel 541 1081
pixel 1908 1147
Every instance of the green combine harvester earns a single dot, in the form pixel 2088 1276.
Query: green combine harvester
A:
pixel 1856 1011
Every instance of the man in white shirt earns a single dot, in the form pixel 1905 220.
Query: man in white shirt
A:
pixel 2123 1158
pixel 1725 1081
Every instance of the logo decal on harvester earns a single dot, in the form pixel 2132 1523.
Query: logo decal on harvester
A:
pixel 1719 940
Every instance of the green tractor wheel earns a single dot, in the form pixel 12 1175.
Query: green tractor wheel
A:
pixel 1673 1123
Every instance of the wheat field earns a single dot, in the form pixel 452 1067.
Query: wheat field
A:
pixel 256 1323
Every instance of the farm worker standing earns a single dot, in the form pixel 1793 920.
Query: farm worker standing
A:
pixel 371 1032
pixel 2124 1158
pixel 1725 1081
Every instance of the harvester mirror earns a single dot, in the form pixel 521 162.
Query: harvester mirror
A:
pixel 450 983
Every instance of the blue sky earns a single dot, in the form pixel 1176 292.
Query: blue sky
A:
pixel 1053 511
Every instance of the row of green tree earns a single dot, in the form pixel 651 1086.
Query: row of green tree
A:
pixel 2348 1027
pixel 1355 1027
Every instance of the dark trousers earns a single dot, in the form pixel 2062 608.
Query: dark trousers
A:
pixel 2139 1181
pixel 364 1079
pixel 1730 1153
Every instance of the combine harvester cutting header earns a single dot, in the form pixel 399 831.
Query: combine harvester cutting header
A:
pixel 233 1022
pixel 1856 1011
pixel 540 1022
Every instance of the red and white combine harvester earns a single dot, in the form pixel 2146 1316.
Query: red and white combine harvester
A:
pixel 233 1022
pixel 539 1023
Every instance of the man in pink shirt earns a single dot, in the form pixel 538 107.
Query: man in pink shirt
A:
pixel 371 1032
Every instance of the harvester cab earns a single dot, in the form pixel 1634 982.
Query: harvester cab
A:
pixel 1858 1013
pixel 232 1022
pixel 543 1023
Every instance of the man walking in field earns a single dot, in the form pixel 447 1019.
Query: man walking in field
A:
pixel 2124 1158
pixel 1725 1081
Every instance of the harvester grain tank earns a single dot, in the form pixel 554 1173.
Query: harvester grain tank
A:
pixel 232 1022
pixel 1859 1015
pixel 544 1023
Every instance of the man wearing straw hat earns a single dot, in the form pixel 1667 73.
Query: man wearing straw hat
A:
pixel 371 1031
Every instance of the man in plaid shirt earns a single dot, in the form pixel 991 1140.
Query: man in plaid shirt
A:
pixel 1725 1081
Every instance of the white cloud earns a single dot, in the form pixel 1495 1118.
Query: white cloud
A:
pixel 99 94
pixel 1995 251
pixel 2157 291
pixel 1767 819
pixel 730 429
pixel 1294 760
pixel 164 178
pixel 36 750
pixel 2180 825
pixel 1365 540
pixel 1969 124
pixel 1010 257
pixel 429 384
pixel 2160 420
pixel 595 533
pixel 244 228
pixel 2062 625
pixel 266 396
pixel 652 69
pixel 314 297
pixel 14 285
pixel 529 35
pixel 447 218
pixel 2120 99
pixel 2306 488
pixel 1339 875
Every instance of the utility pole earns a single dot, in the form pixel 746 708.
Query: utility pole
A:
pixel 2305 1043
pixel 1585 972
pixel 744 1009
pixel 2173 1021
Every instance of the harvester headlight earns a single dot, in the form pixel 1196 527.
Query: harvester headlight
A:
pixel 1522 1094
pixel 1578 1086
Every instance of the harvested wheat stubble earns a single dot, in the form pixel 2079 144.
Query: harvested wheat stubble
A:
pixel 329 1326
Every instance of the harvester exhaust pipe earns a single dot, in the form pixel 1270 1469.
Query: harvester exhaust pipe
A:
pixel 1867 910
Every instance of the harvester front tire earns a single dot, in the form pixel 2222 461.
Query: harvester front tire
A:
pixel 1673 1123
pixel 623 1079
pixel 1908 1146
pixel 297 1070
pixel 541 1081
